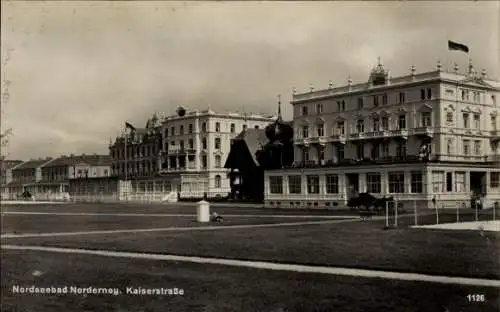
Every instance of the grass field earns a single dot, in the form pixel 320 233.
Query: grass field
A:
pixel 342 243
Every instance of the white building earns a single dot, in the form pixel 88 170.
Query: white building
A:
pixel 195 147
pixel 416 137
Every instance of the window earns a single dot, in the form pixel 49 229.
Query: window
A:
pixel 360 103
pixel 217 182
pixel 402 122
pixel 396 182
pixel 233 128
pixel 339 152
pixel 449 117
pixel 360 150
pixel 449 146
pixel 417 182
pixel 304 111
pixel 172 131
pixel 422 94
pixel 429 93
pixel 166 132
pixel 375 101
pixel 341 106
pixel 465 118
pixel 385 149
pixel 313 184
pixel 360 126
pixel 374 182
pixel 295 184
pixel 217 161
pixel 244 127
pixel 466 147
pixel 449 92
pixel 204 143
pixel 465 95
pixel 321 153
pixel 191 144
pixel 204 162
pixel 477 97
pixel 332 184
pixel 449 182
pixel 375 151
pixel 494 99
pixel 375 124
pixel 204 127
pixel 477 147
pixel 426 119
pixel 460 182
pixel 305 154
pixel 181 130
pixel 106 173
pixel 438 181
pixel 401 97
pixel 256 127
pixel 217 127
pixel 319 108
pixel 321 130
pixel 477 121
pixel 341 128
pixel 305 131
pixel 385 123
pixel 494 179
pixel 217 143
pixel 401 149
pixel 385 100
pixel 276 185
pixel 190 128
pixel 181 144
pixel 493 123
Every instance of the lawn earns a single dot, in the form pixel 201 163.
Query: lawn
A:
pixel 218 288
pixel 352 244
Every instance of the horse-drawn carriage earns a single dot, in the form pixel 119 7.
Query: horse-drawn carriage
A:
pixel 368 205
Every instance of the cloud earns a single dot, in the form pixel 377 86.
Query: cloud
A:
pixel 79 69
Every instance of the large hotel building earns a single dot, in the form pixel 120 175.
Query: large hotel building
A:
pixel 183 153
pixel 418 137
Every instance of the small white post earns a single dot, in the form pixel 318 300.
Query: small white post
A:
pixel 477 207
pixel 494 208
pixel 415 212
pixel 458 213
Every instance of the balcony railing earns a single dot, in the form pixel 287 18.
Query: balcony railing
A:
pixel 355 162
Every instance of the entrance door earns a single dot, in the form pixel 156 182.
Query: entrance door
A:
pixel 478 183
pixel 352 184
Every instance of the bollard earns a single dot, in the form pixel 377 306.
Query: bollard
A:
pixel 458 213
pixel 203 211
pixel 396 213
pixel 387 214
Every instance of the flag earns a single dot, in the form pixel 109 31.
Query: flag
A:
pixel 455 46
pixel 129 126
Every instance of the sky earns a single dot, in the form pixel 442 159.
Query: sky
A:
pixel 75 71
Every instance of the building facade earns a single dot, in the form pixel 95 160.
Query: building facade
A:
pixel 418 137
pixel 196 145
pixel 6 167
pixel 26 177
pixel 56 175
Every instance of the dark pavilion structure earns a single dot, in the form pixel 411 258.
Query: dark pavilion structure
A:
pixel 255 150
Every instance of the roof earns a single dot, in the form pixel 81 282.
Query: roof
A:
pixel 93 160
pixel 32 164
pixel 254 139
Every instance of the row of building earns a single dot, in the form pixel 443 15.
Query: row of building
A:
pixel 418 137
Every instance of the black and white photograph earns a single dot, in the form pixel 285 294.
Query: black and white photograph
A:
pixel 250 156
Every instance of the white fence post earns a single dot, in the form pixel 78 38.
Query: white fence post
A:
pixel 415 211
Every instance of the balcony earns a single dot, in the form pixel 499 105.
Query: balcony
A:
pixel 465 158
pixel 353 162
pixel 423 131
pixel 181 151
pixel 338 138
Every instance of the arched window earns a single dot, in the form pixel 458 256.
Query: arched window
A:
pixel 217 161
pixel 217 181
